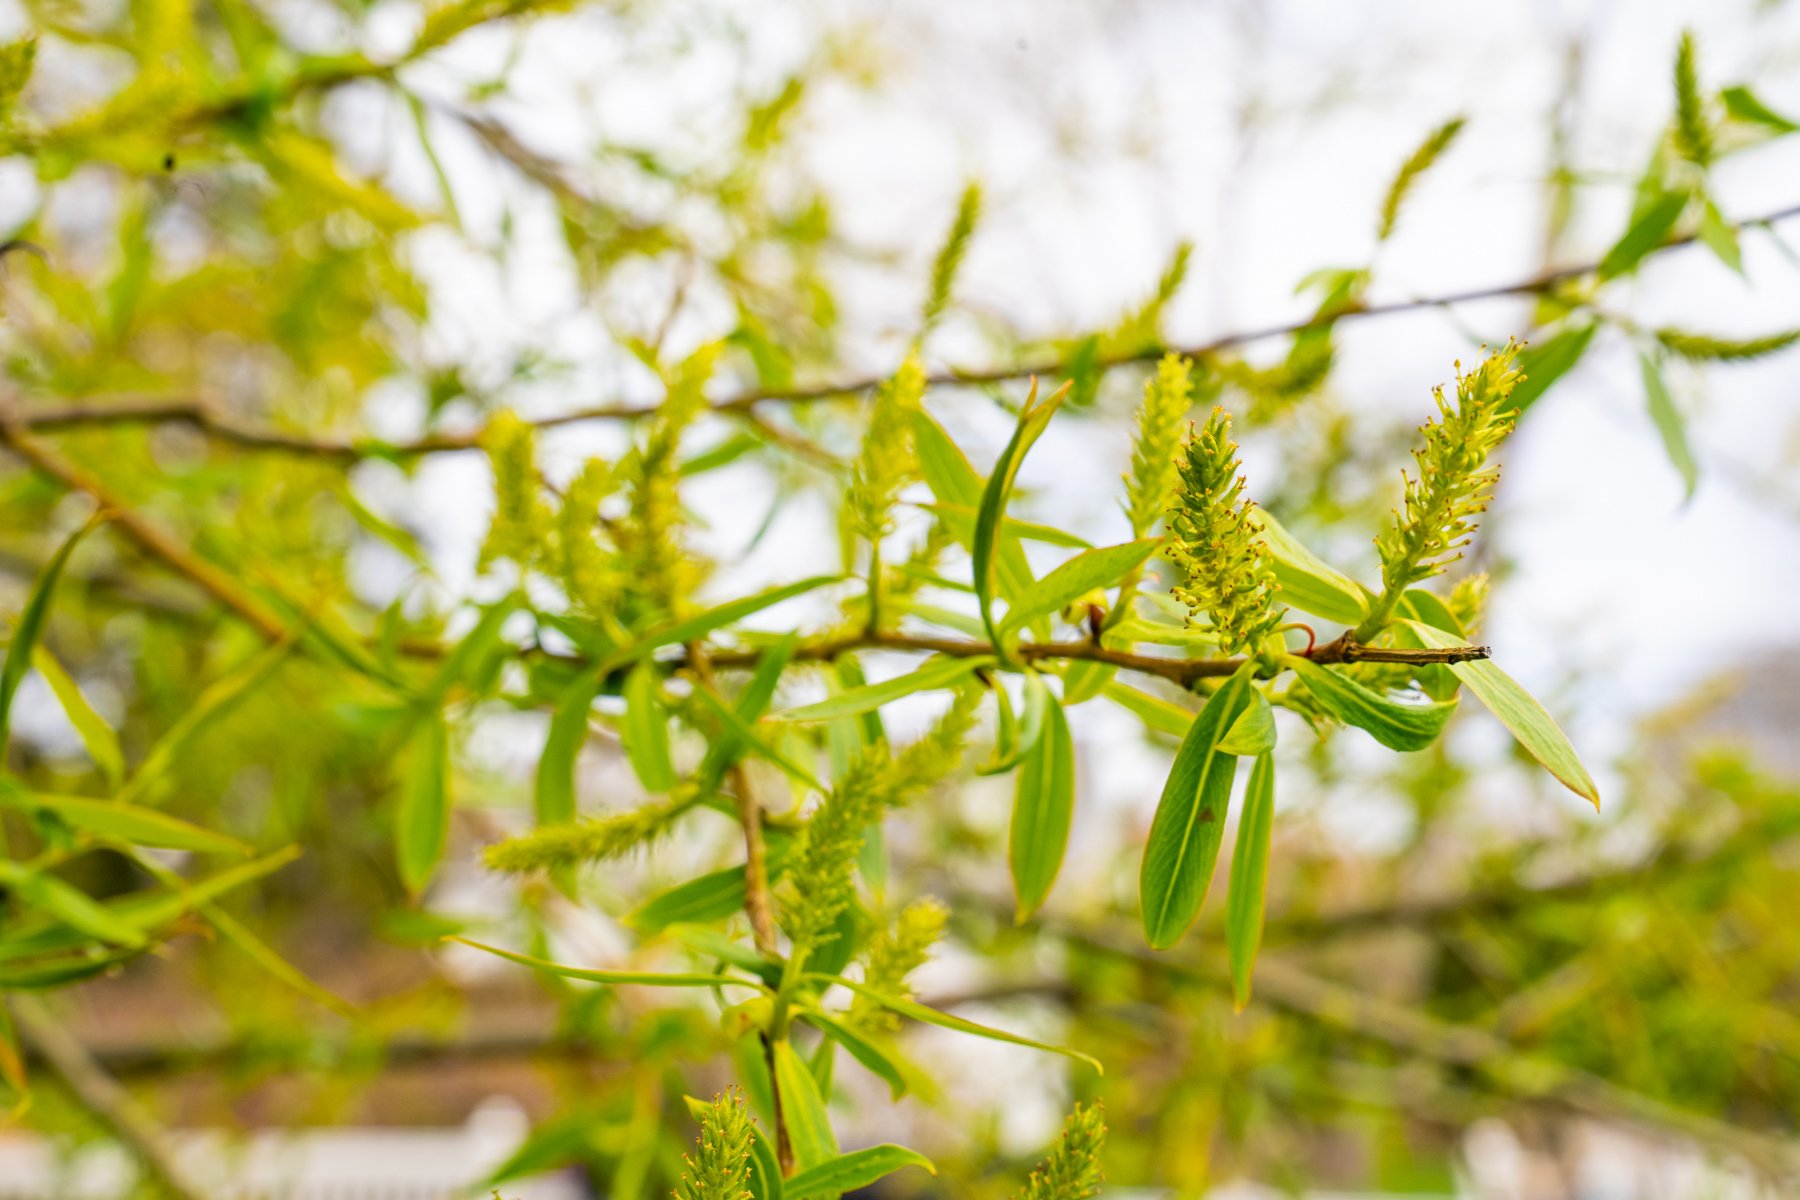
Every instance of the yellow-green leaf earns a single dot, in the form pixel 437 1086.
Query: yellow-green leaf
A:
pixel 1043 808
pixel 1250 876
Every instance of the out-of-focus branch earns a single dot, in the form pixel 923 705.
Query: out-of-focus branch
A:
pixel 100 1094
pixel 211 420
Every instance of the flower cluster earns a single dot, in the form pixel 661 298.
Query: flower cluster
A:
pixel 1225 564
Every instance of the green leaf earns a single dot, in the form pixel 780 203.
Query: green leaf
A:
pixel 1016 739
pixel 1546 362
pixel 1669 425
pixel 1306 581
pixel 422 817
pixel 802 1111
pixel 1153 711
pixel 937 672
pixel 848 1172
pixel 863 1049
pixel 472 662
pixel 123 823
pixel 264 956
pixel 1648 233
pixel 711 897
pixel 962 523
pixel 16 59
pixel 1720 237
pixel 954 482
pixel 1252 733
pixel 765 1172
pixel 931 1016
pixel 218 700
pixel 37 606
pixel 1074 579
pixel 554 793
pixel 1250 876
pixel 751 704
pixel 593 975
pixel 699 626
pixel 1190 818
pixel 1043 808
pixel 68 904
pixel 1034 418
pixel 101 742
pixel 1519 712
pixel 1396 725
pixel 1083 680
pixel 646 729
pixel 1744 105
pixel 746 737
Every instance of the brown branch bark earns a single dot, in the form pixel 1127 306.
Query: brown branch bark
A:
pixel 211 421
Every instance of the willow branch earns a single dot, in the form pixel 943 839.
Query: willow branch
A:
pixel 758 901
pixel 210 420
pixel 101 1095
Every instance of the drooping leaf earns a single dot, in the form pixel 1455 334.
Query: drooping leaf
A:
pixel 554 791
pixel 1250 876
pixel 422 816
pixel 1019 737
pixel 848 1172
pixel 931 1016
pixel 1077 577
pixel 711 897
pixel 860 1047
pixel 31 622
pixel 646 729
pixel 962 521
pixel 954 482
pixel 1519 712
pixel 1669 424
pixel 1154 712
pixel 1744 105
pixel 747 738
pixel 802 1110
pixel 1043 808
pixel 1190 819
pixel 1395 724
pixel 1253 733
pixel 933 674
pixel 1719 237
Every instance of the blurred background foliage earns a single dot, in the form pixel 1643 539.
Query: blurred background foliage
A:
pixel 235 231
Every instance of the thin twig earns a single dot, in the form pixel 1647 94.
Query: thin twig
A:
pixel 207 417
pixel 758 903
pixel 101 1095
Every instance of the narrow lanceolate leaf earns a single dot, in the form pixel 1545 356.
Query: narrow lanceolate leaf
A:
pixel 1669 425
pixel 802 1110
pixel 1649 232
pixel 554 794
pixel 1250 876
pixel 747 738
pixel 715 618
pixel 68 904
pixel 264 956
pixel 1034 418
pixel 594 975
pixel 1396 725
pixel 1018 738
pixel 954 482
pixel 935 673
pixel 1306 581
pixel 1253 733
pixel 711 897
pixel 1155 712
pixel 1519 712
pixel 1190 819
pixel 101 742
pixel 1719 237
pixel 1082 574
pixel 863 1049
pixel 646 730
pixel 1545 362
pixel 848 1172
pixel 751 704
pixel 961 520
pixel 124 824
pixel 1043 807
pixel 422 818
pixel 31 626
pixel 918 1012
pixel 1745 105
